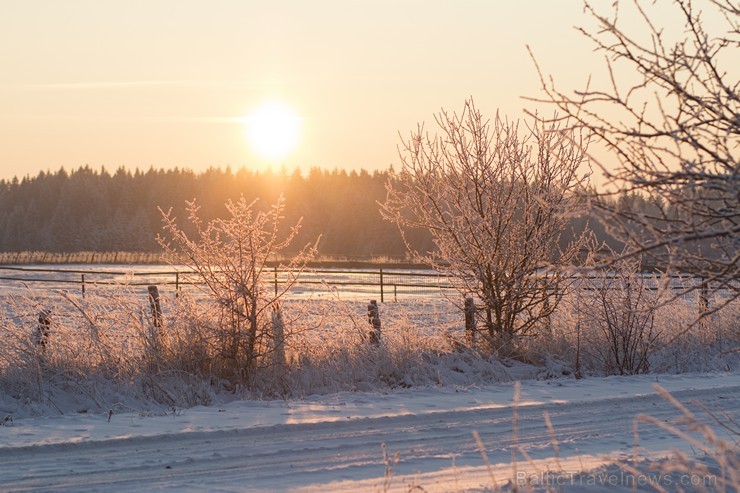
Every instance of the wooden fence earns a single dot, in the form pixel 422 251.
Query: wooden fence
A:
pixel 384 283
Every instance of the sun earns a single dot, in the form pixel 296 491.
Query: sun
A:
pixel 272 130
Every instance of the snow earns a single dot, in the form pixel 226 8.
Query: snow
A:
pixel 348 441
pixel 379 437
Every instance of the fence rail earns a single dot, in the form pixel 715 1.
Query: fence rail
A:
pixel 383 283
pixel 380 282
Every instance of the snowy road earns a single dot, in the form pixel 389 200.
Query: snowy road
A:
pixel 334 443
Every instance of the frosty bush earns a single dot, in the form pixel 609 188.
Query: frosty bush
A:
pixel 229 258
pixel 617 312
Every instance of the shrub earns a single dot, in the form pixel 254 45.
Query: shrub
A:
pixel 229 258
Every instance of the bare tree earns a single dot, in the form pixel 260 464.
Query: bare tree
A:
pixel 670 120
pixel 490 194
pixel 229 257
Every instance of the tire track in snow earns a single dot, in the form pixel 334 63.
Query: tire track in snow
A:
pixel 286 456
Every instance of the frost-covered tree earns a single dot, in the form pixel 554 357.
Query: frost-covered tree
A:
pixel 229 260
pixel 669 117
pixel 490 193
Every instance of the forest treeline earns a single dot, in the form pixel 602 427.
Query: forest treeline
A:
pixel 95 210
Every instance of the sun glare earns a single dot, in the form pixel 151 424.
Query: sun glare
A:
pixel 272 130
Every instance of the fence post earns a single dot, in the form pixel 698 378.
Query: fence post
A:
pixel 382 294
pixel 373 316
pixel 177 284
pixel 276 280
pixel 43 329
pixel 703 296
pixel 155 306
pixel 278 337
pixel 83 285
pixel 470 321
pixel 547 309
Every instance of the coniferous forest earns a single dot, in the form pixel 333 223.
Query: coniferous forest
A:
pixel 94 210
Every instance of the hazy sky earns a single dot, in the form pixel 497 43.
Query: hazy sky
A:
pixel 143 83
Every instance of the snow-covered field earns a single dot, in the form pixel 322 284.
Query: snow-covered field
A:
pixel 411 440
pixel 462 426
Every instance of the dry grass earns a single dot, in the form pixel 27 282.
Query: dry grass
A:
pixel 105 346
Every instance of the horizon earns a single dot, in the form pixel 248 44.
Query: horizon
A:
pixel 266 171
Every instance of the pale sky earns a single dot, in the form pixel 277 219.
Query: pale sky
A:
pixel 167 83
